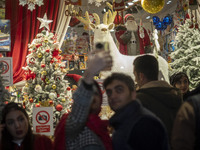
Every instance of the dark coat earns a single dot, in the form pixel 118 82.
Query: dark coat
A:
pixel 137 128
pixel 163 100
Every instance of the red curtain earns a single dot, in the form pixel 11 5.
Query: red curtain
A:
pixel 24 28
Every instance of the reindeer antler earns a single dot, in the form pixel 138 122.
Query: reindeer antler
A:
pixel 96 17
pixel 111 15
pixel 85 20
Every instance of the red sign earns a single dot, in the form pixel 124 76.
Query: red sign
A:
pixel 42 117
pixel 43 128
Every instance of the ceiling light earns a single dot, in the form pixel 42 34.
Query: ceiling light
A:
pixel 135 0
pixel 130 3
pixel 126 6
pixel 169 2
pixel 148 17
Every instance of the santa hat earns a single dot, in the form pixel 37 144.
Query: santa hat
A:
pixel 128 16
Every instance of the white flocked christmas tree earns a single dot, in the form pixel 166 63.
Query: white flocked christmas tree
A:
pixel 186 57
pixel 45 85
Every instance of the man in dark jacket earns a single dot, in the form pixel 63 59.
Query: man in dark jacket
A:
pixel 157 96
pixel 135 127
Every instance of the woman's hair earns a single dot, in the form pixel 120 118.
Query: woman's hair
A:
pixel 176 77
pixel 6 136
pixel 98 90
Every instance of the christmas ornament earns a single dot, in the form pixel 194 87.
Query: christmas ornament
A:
pixel 54 86
pixel 39 55
pixel 37 105
pixel 68 88
pixel 74 21
pixel 161 25
pixel 52 96
pixel 63 100
pixel 38 88
pixel 43 65
pixel 44 22
pixel 59 107
pixel 31 100
pixel 44 73
pixel 47 50
pixel 153 6
pixel 50 102
pixel 31 3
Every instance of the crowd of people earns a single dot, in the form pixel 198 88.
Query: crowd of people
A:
pixel 156 116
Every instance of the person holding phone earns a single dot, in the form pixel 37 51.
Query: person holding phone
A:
pixel 16 133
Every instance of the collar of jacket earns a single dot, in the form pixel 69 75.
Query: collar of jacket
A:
pixel 156 84
pixel 124 114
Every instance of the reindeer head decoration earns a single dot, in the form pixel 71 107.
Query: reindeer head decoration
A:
pixel 101 31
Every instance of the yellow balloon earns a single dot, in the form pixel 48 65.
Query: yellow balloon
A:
pixel 153 6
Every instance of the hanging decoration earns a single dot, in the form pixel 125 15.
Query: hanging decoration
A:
pixel 119 5
pixel 72 10
pixel 153 6
pixel 31 3
pixel 97 2
pixel 162 25
pixel 73 2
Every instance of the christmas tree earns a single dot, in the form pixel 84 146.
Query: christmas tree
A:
pixel 45 85
pixel 186 56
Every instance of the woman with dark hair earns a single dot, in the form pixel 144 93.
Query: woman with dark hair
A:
pixel 180 81
pixel 16 133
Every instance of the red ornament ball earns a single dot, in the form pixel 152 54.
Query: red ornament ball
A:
pixel 31 100
pixel 50 102
pixel 43 65
pixel 47 50
pixel 59 107
pixel 68 88
pixel 37 105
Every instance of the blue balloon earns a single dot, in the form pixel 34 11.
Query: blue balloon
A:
pixel 167 20
pixel 159 25
pixel 156 19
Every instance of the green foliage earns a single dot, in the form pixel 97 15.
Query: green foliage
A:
pixel 186 57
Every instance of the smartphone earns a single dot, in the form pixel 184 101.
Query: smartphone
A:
pixel 102 45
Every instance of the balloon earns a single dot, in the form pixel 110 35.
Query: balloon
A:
pixel 156 19
pixel 153 6
pixel 159 25
pixel 167 20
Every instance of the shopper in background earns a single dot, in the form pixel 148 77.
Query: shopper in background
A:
pixel 82 128
pixel 16 133
pixel 186 130
pixel 135 128
pixel 158 96
pixel 180 81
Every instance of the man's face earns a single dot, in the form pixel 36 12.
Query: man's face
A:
pixel 131 24
pixel 119 94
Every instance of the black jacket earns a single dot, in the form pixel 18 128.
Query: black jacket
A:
pixel 136 128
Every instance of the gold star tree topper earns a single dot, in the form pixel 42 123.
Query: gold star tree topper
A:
pixel 44 22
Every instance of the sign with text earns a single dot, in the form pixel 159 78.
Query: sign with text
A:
pixel 6 70
pixel 43 120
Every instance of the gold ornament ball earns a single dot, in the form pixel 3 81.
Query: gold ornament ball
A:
pixel 153 6
pixel 39 55
pixel 44 73
pixel 54 86
pixel 63 100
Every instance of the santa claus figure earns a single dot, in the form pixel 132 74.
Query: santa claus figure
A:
pixel 133 39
